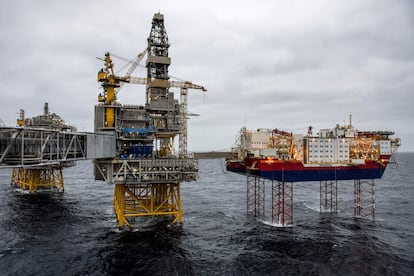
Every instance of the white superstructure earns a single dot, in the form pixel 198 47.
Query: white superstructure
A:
pixel 338 145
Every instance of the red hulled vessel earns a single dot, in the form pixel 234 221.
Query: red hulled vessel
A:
pixel 340 153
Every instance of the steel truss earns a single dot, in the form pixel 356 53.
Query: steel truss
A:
pixel 132 171
pixel 255 196
pixel 182 145
pixel 147 199
pixel 282 203
pixel 147 187
pixel 34 146
pixel 364 198
pixel 32 179
pixel 329 196
pixel 282 199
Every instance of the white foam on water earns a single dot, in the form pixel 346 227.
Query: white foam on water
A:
pixel 275 224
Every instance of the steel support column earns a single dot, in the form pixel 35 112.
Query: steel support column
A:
pixel 364 198
pixel 255 196
pixel 329 196
pixel 147 199
pixel 32 179
pixel 282 202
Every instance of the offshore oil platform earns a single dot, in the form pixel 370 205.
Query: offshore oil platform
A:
pixel 146 169
pixel 332 155
pixel 46 120
pixel 38 150
pixel 133 146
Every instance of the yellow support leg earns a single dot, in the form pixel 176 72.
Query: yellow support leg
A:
pixel 150 199
pixel 119 205
pixel 32 179
pixel 177 195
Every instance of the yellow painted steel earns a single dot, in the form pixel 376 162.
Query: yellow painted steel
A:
pixel 147 199
pixel 32 179
pixel 20 122
pixel 101 75
pixel 110 91
pixel 100 98
pixel 110 117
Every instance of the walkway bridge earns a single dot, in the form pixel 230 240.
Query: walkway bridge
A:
pixel 37 155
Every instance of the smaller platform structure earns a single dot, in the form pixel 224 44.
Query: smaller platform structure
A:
pixel 38 155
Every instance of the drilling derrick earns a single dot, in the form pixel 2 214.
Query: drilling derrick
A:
pixel 145 168
pixel 160 104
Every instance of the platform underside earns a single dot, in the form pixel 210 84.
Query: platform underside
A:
pixel 315 174
pixel 320 175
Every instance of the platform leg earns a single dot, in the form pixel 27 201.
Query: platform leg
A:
pixel 33 179
pixel 147 199
pixel 251 194
pixel 255 196
pixel 119 205
pixel 329 196
pixel 282 202
pixel 260 198
pixel 364 198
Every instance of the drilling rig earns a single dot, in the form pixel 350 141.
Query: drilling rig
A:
pixel 146 170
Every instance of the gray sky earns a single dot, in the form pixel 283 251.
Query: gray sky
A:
pixel 266 64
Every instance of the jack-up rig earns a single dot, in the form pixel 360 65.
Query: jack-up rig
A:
pixel 340 153
pixel 145 168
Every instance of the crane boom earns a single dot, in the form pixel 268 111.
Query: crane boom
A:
pixel 134 66
pixel 137 80
pixel 186 85
pixel 178 84
pixel 137 61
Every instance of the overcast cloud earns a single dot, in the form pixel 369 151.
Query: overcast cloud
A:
pixel 270 64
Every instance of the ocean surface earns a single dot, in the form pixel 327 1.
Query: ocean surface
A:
pixel 75 232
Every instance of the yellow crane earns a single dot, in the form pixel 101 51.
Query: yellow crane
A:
pixel 112 84
pixel 109 82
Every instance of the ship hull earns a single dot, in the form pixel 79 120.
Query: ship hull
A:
pixel 296 171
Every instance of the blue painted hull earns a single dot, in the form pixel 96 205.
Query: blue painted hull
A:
pixel 320 175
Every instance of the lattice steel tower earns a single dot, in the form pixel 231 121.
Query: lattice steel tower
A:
pixel 158 60
pixel 160 103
